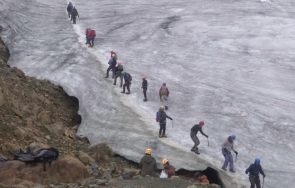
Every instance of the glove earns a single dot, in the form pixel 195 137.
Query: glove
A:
pixel 246 172
pixel 207 136
pixel 263 176
pixel 236 153
pixel 171 118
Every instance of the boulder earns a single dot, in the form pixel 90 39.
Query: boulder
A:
pixel 18 72
pixel 85 158
pixel 56 128
pixel 66 169
pixel 68 133
pixel 101 152
pixel 45 116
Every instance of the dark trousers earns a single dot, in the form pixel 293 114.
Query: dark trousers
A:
pixel 118 74
pixel 74 19
pixel 90 41
pixel 126 84
pixel 69 14
pixel 196 140
pixel 108 70
pixel 254 181
pixel 144 93
pixel 162 128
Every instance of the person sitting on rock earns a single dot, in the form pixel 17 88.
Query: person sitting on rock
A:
pixel 169 169
pixel 148 164
pixel 201 178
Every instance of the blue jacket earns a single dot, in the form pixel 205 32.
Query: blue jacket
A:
pixel 112 62
pixel 254 170
pixel 161 115
pixel 126 77
pixel 70 7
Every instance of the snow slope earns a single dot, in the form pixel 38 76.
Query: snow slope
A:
pixel 228 63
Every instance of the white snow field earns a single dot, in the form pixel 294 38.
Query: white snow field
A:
pixel 229 63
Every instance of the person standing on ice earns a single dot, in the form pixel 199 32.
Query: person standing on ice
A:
pixel 148 164
pixel 164 93
pixel 69 9
pixel 127 79
pixel 161 118
pixel 112 65
pixel 118 73
pixel 74 14
pixel 226 148
pixel 86 33
pixel 194 131
pixel 254 170
pixel 144 87
pixel 90 38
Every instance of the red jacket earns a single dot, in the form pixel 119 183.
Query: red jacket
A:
pixel 167 91
pixel 91 34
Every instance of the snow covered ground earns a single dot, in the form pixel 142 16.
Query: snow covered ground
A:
pixel 229 63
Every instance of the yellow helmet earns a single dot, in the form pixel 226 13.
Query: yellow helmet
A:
pixel 148 151
pixel 161 107
pixel 164 161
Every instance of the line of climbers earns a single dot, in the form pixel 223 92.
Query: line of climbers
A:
pixel 118 71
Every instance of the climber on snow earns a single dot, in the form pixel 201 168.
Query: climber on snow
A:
pixel 226 151
pixel 163 94
pixel 144 87
pixel 118 73
pixel 69 9
pixel 90 38
pixel 194 130
pixel 148 164
pixel 112 65
pixel 127 79
pixel 254 170
pixel 74 14
pixel 161 118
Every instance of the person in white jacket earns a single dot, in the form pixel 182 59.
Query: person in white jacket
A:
pixel 226 148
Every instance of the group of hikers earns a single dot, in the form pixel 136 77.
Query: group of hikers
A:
pixel 161 116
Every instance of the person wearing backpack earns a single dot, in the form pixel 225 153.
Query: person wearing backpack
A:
pixel 194 131
pixel 86 33
pixel 254 170
pixel 90 38
pixel 144 87
pixel 112 65
pixel 164 93
pixel 118 73
pixel 74 14
pixel 148 164
pixel 161 118
pixel 226 151
pixel 69 9
pixel 127 79
pixel 169 169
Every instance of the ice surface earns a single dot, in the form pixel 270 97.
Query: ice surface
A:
pixel 228 63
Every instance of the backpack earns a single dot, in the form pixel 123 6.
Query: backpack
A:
pixel 157 119
pixel 130 78
pixel 93 34
pixel 164 90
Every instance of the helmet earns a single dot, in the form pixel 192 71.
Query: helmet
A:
pixel 257 161
pixel 161 107
pixel 233 136
pixel 119 63
pixel 122 72
pixel 164 84
pixel 144 77
pixel 164 161
pixel 148 151
pixel 201 123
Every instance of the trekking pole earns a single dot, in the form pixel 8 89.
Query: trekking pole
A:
pixel 208 141
pixel 263 182
pixel 172 124
pixel 236 157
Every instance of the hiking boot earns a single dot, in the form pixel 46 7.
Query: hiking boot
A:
pixel 164 136
pixel 128 93
pixel 232 170
pixel 145 99
pixel 160 136
pixel 106 77
pixel 197 152
pixel 114 83
pixel 123 92
pixel 223 168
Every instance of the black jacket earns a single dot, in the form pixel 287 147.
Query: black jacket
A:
pixel 196 128
pixel 75 12
pixel 144 84
pixel 254 170
pixel 119 69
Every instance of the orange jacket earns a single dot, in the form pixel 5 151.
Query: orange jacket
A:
pixel 203 179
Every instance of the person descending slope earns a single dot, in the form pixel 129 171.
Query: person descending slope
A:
pixel 69 9
pixel 144 87
pixel 161 118
pixel 169 169
pixel 226 148
pixel 74 14
pixel 194 131
pixel 164 93
pixel 118 73
pixel 254 170
pixel 86 33
pixel 112 65
pixel 148 164
pixel 90 38
pixel 127 79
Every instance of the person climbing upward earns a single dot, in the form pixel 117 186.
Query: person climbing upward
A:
pixel 69 9
pixel 164 94
pixel 144 87
pixel 148 164
pixel 201 177
pixel 127 79
pixel 254 170
pixel 118 73
pixel 194 131
pixel 74 14
pixel 169 169
pixel 161 118
pixel 90 38
pixel 112 65
pixel 226 151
